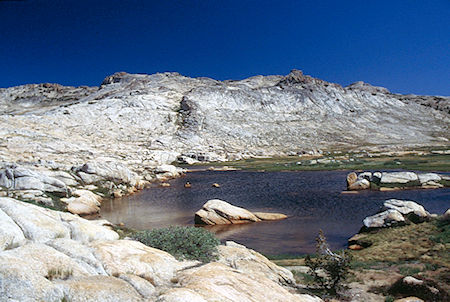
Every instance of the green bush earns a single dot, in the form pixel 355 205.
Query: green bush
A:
pixel 389 299
pixel 328 269
pixel 184 243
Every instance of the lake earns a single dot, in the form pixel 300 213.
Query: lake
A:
pixel 312 200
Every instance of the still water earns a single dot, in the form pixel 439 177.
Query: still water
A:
pixel 312 200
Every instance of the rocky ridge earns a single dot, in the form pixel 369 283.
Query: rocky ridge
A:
pixel 147 120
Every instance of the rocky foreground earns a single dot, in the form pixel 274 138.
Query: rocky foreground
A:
pixel 48 255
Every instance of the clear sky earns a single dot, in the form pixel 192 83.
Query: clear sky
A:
pixel 403 45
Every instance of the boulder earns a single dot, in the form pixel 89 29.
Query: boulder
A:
pixel 18 178
pixel 250 262
pixel 65 177
pixel 219 282
pixel 217 211
pixel 424 178
pixel 351 178
pixel 84 202
pixel 365 175
pixel 132 257
pixel 94 171
pixel 427 290
pixel 414 211
pixel 384 219
pixel 399 178
pixel 376 178
pixel 360 184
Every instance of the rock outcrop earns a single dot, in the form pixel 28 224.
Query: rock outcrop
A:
pixel 79 190
pixel 19 178
pixel 217 211
pixel 384 219
pixel 395 213
pixel 47 255
pixel 395 180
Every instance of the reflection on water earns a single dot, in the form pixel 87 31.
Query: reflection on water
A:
pixel 312 200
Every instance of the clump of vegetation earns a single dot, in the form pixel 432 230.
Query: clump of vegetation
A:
pixel 443 232
pixel 59 273
pixel 389 299
pixel 329 270
pixel 412 250
pixel 190 243
pixel 346 161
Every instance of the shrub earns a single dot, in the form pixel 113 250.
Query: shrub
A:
pixel 188 243
pixel 328 269
pixel 389 299
pixel 59 273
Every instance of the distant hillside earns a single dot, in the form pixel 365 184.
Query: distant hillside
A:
pixel 145 120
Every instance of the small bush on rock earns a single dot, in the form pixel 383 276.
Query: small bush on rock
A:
pixel 328 269
pixel 188 243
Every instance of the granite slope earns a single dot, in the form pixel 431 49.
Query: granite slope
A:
pixel 148 120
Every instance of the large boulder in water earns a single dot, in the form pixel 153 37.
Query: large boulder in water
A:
pixel 217 211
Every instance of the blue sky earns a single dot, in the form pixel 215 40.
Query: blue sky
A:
pixel 401 45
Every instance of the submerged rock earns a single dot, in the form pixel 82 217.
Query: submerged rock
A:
pixel 217 211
